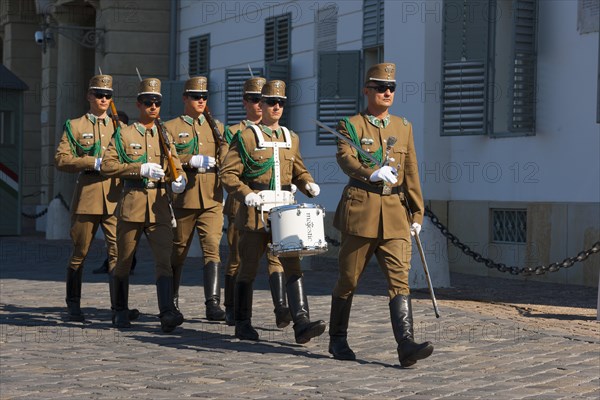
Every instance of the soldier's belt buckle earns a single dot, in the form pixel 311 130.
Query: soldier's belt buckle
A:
pixel 150 185
pixel 201 170
pixel 387 190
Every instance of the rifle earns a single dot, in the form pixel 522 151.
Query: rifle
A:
pixel 214 128
pixel 391 142
pixel 114 115
pixel 166 145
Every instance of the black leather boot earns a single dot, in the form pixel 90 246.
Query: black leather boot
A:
pixel 228 300
pixel 304 330
pixel 133 314
pixel 169 317
pixel 282 312
pixel 243 312
pixel 73 298
pixel 409 352
pixel 103 269
pixel 177 270
pixel 212 292
pixel 338 329
pixel 119 297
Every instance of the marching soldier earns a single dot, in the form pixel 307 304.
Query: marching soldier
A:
pixel 249 167
pixel 372 217
pixel 200 207
pixel 251 101
pixel 136 156
pixel 81 148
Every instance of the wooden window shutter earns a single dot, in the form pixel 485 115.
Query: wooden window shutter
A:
pixel 465 70
pixel 523 74
pixel 234 81
pixel 338 90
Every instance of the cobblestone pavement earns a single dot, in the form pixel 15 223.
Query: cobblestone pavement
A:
pixel 496 338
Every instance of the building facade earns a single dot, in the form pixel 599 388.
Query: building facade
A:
pixel 502 94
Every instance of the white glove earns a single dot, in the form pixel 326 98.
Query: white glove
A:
pixel 387 174
pixel 178 185
pixel 200 161
pixel 415 228
pixel 313 189
pixel 293 188
pixel 97 164
pixel 252 200
pixel 152 171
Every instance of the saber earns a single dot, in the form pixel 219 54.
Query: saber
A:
pixel 348 141
pixel 429 284
pixel 250 69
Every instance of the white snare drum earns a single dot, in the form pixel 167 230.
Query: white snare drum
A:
pixel 297 230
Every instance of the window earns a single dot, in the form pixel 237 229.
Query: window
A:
pixel 338 90
pixel 199 49
pixel 7 130
pixel 234 88
pixel 372 32
pixel 509 226
pixel 482 94
pixel 278 38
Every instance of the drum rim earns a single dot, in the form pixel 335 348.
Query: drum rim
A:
pixel 286 207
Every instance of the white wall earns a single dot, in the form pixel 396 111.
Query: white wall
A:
pixel 547 167
pixel 561 162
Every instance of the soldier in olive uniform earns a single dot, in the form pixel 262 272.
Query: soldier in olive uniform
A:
pixel 201 205
pixel 372 216
pixel 81 148
pixel 249 167
pixel 251 101
pixel 136 156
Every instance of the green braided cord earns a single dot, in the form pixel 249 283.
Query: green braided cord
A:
pixel 252 168
pixel 123 157
pixel 352 131
pixel 187 148
pixel 92 150
pixel 228 136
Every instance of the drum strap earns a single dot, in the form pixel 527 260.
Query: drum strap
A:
pixel 262 143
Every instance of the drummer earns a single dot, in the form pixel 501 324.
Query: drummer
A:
pixel 265 159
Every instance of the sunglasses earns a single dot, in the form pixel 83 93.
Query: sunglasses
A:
pixel 148 103
pixel 272 102
pixel 100 95
pixel 383 88
pixel 252 99
pixel 198 96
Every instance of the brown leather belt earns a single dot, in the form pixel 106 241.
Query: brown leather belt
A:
pixel 375 189
pixel 140 184
pixel 266 186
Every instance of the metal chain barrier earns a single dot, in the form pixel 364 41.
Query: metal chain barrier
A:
pixel 45 210
pixel 539 270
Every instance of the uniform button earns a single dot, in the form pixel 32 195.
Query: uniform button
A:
pixel 104 147
pixel 149 145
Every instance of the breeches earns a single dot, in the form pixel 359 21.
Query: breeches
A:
pixel 160 237
pixel 252 246
pixel 83 230
pixel 393 256
pixel 208 223
pixel 233 264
